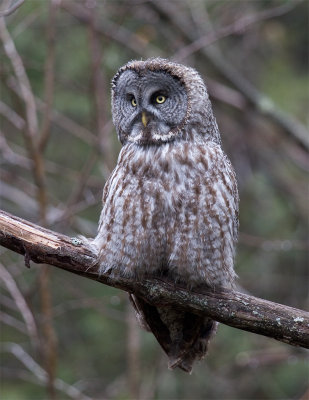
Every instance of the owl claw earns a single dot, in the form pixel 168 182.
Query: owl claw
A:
pixel 181 359
pixel 181 363
pixel 174 362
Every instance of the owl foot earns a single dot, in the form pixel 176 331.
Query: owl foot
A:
pixel 174 362
pixel 180 362
pixel 181 357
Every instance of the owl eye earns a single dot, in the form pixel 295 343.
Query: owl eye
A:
pixel 133 102
pixel 160 99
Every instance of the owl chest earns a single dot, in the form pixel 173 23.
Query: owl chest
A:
pixel 153 195
pixel 161 185
pixel 152 191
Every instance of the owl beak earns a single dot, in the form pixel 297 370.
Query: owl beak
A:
pixel 145 119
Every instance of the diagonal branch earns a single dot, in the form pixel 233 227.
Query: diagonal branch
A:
pixel 235 309
pixel 21 304
pixel 259 100
pixel 237 26
pixel 12 8
pixel 40 373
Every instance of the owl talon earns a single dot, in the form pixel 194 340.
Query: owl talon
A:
pixel 180 363
pixel 174 362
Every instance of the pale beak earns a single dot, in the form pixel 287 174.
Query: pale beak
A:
pixel 144 119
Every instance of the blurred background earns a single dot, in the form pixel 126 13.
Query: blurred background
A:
pixel 64 337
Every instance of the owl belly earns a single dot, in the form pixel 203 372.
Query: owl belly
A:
pixel 132 236
pixel 167 219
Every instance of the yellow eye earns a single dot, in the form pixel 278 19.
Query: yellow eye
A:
pixel 133 102
pixel 160 99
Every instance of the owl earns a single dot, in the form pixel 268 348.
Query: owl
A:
pixel 170 207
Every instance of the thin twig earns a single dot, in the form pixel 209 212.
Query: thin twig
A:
pixel 11 9
pixel 12 116
pixel 40 373
pixel 111 30
pixel 133 354
pixel 99 93
pixel 237 26
pixel 64 122
pixel 32 141
pixel 21 304
pixel 259 100
pixel 22 78
pixel 13 322
pixel 31 129
pixel 49 76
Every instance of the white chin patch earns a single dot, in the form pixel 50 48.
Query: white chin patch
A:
pixel 154 137
pixel 164 138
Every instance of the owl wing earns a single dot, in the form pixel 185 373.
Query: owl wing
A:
pixel 106 191
pixel 149 319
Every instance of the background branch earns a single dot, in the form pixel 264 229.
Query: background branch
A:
pixel 259 100
pixel 235 309
pixel 21 304
pixel 11 8
pixel 40 374
pixel 32 141
pixel 58 146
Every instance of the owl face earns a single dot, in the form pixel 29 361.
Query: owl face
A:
pixel 149 107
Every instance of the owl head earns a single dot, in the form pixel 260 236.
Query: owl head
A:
pixel 157 101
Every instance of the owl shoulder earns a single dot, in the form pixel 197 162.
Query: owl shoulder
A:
pixel 212 155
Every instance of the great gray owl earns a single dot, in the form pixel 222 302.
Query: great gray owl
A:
pixel 170 207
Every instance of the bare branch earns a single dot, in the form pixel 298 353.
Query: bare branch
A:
pixel 13 322
pixel 235 309
pixel 108 28
pixel 31 129
pixel 11 9
pixel 226 94
pixel 41 374
pixel 11 115
pixel 259 100
pixel 12 157
pixel 49 76
pixel 99 86
pixel 21 304
pixel 58 118
pixel 21 77
pixel 32 140
pixel 239 25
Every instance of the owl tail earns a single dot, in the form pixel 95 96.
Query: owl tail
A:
pixel 183 336
pixel 197 333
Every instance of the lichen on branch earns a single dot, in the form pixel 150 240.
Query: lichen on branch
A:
pixel 238 310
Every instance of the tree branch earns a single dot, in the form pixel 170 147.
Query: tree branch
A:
pixel 11 9
pixel 41 374
pixel 237 26
pixel 259 100
pixel 235 309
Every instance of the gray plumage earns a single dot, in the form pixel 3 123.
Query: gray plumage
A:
pixel 170 207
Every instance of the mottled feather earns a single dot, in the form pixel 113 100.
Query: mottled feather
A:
pixel 170 207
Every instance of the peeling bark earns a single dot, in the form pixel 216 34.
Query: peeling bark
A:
pixel 238 310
